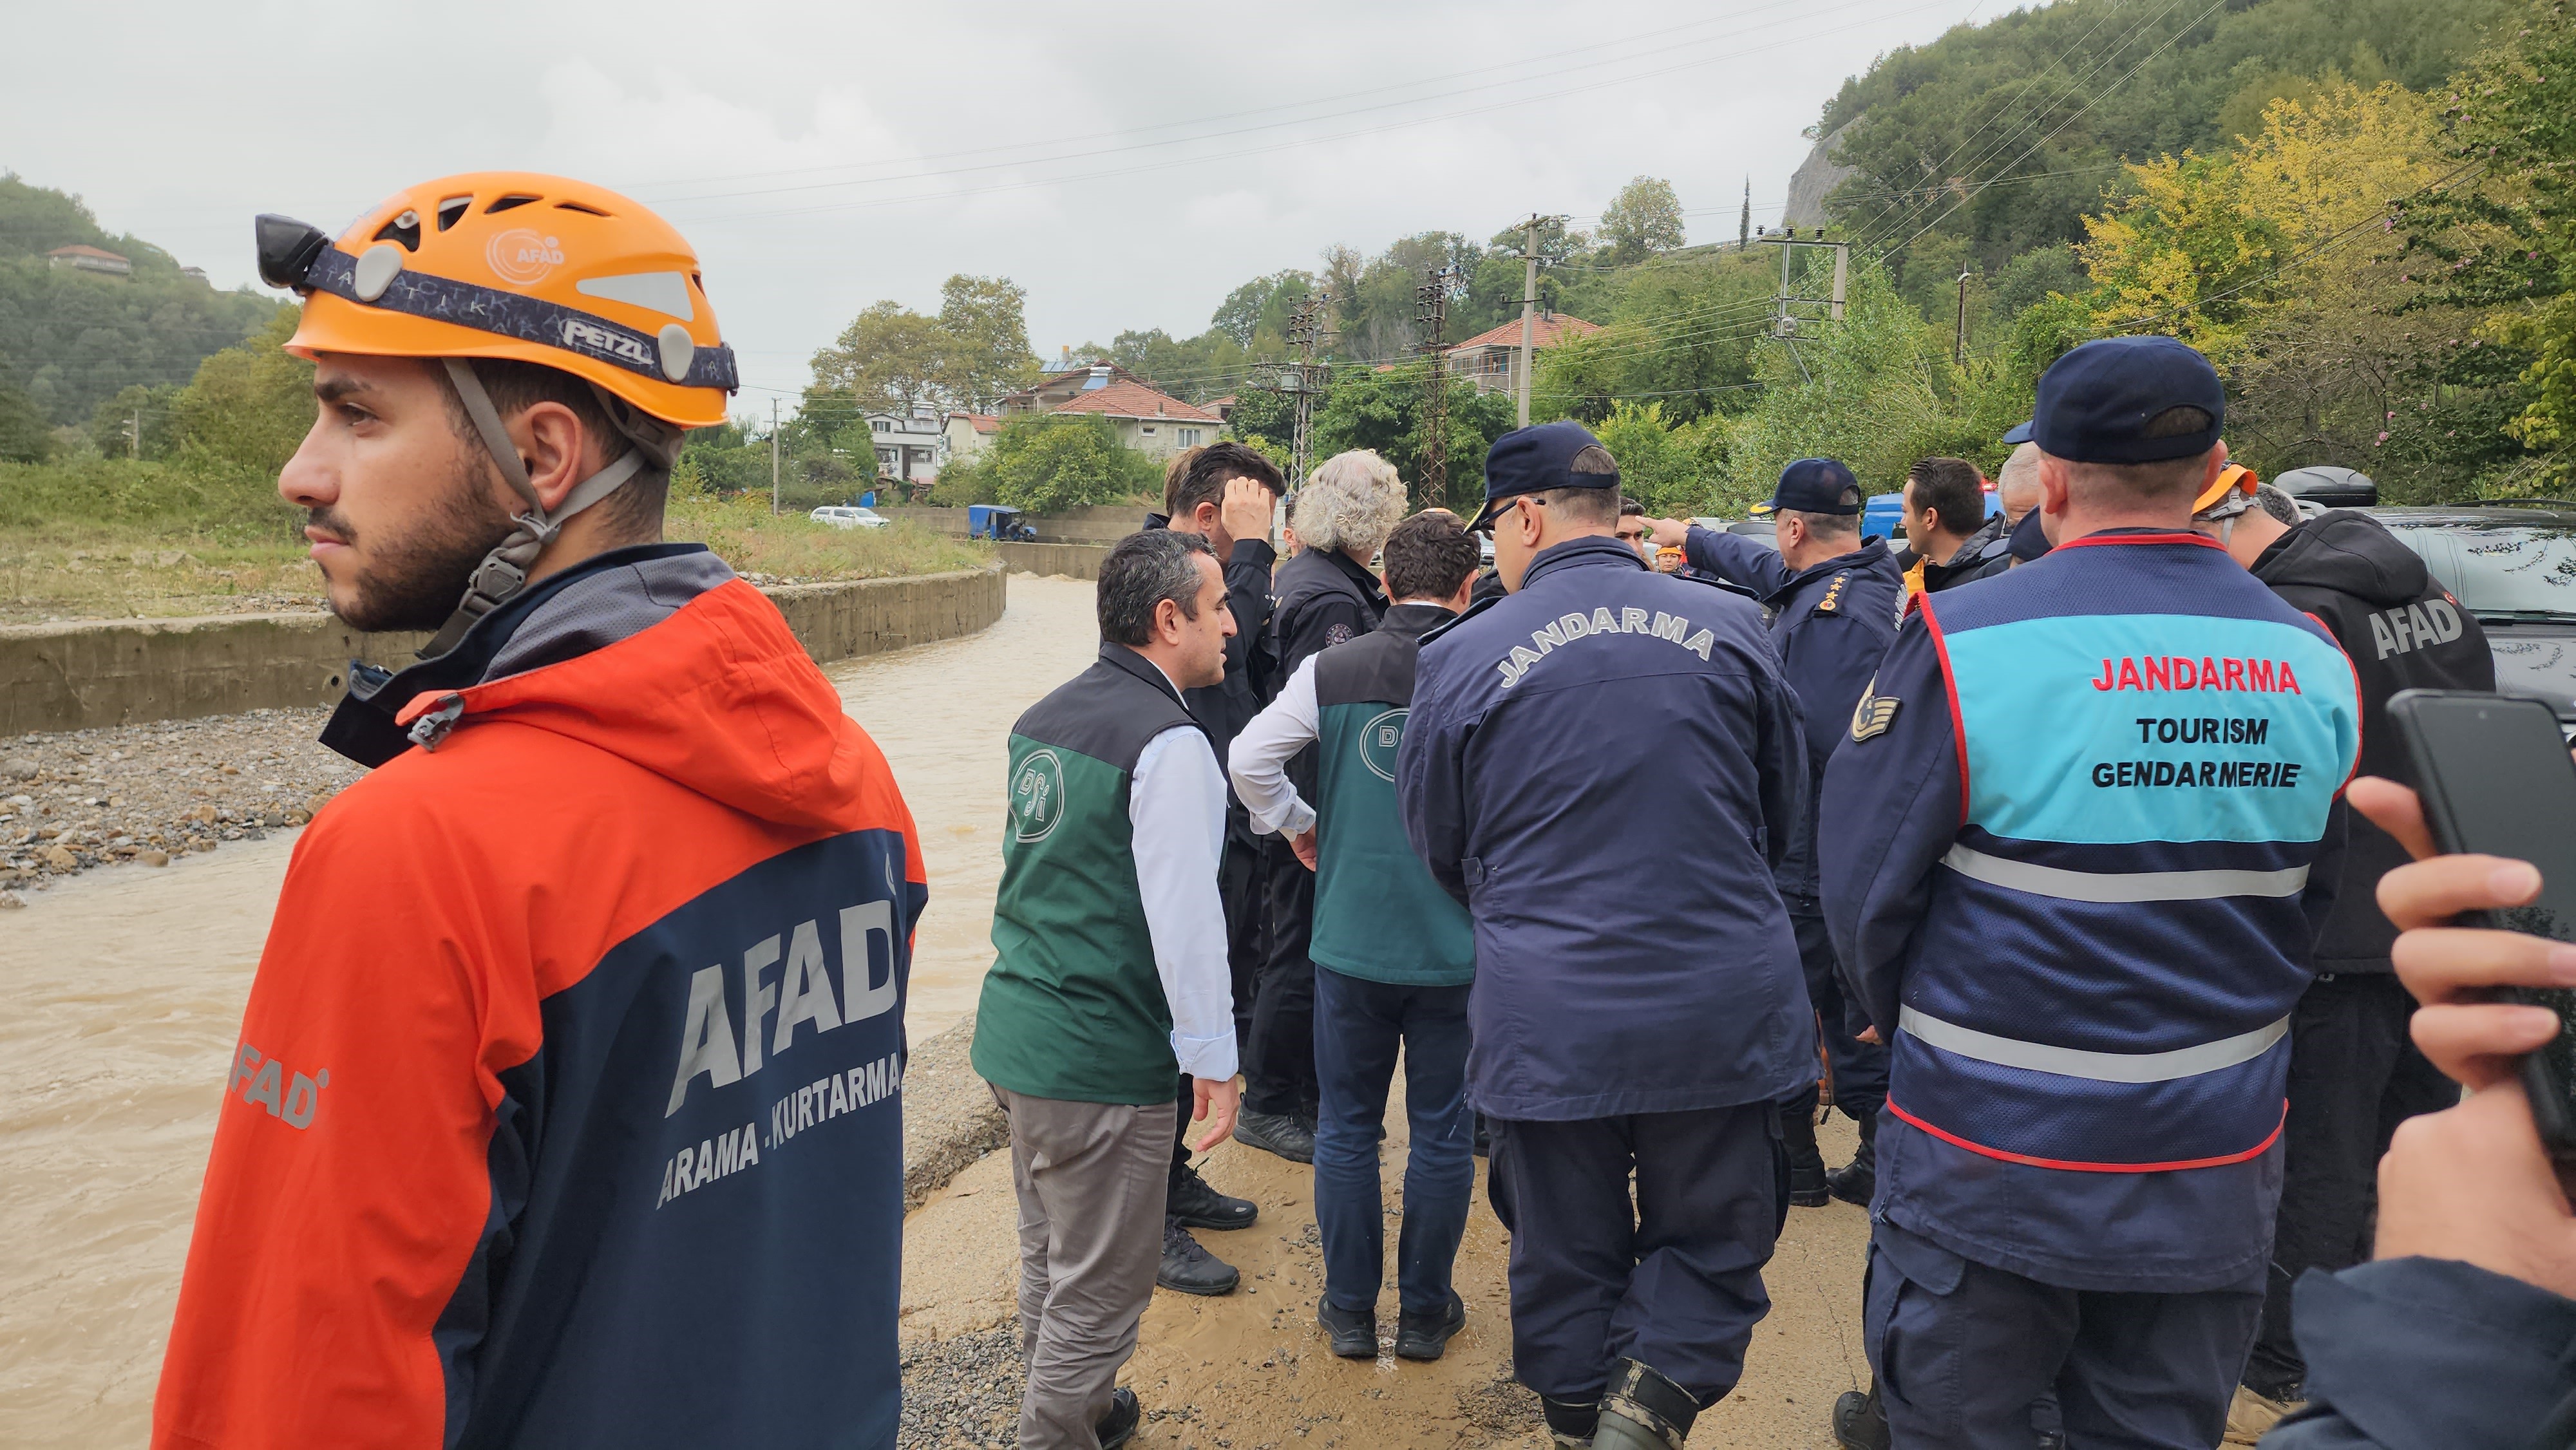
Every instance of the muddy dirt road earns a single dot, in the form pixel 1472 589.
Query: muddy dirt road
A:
pixel 1250 1370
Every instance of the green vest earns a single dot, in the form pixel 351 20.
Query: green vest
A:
pixel 1073 1008
pixel 1378 913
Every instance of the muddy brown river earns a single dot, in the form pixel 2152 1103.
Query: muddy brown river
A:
pixel 127 988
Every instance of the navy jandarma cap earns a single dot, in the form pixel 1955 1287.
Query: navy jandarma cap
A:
pixel 2095 403
pixel 1533 460
pixel 1816 486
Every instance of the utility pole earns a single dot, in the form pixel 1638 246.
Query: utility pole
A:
pixel 1529 301
pixel 134 434
pixel 1786 306
pixel 1431 314
pixel 773 457
pixel 1959 343
pixel 1305 328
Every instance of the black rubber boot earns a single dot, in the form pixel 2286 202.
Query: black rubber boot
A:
pixel 1571 1422
pixel 1860 1422
pixel 1806 1161
pixel 1857 1181
pixel 1643 1411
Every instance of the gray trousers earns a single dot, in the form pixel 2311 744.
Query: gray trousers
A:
pixel 1091 1179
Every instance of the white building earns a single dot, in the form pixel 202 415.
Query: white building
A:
pixel 909 448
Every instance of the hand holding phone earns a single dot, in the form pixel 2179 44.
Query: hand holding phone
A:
pixel 2496 780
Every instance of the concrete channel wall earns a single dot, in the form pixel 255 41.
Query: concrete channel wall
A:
pixel 116 672
pixel 1074 561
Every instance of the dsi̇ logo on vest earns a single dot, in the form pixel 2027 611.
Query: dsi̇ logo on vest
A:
pixel 1379 739
pixel 1037 796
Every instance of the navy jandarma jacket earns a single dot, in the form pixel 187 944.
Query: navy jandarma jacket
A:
pixel 1606 767
pixel 1831 622
pixel 2074 851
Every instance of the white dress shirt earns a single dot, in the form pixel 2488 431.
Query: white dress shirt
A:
pixel 1176 805
pixel 1262 752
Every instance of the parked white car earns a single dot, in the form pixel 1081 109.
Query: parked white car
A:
pixel 848 516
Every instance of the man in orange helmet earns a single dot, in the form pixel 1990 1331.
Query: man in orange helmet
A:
pixel 566 1105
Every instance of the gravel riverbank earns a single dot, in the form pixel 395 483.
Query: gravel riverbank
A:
pixel 79 799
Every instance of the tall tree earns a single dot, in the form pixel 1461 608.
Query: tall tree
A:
pixel 1643 219
pixel 987 343
pixel 890 359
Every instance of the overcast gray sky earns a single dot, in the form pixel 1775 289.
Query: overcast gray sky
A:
pixel 1128 164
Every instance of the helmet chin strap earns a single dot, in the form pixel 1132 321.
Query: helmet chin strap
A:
pixel 504 571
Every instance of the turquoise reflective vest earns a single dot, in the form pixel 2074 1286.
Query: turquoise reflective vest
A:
pixel 2149 749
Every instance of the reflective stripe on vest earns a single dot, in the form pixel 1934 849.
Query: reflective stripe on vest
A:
pixel 2181 1062
pixel 2123 886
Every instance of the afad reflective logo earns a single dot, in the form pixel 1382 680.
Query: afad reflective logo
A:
pixel 523 256
pixel 1037 796
pixel 1379 740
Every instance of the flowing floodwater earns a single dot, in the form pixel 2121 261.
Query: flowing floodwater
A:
pixel 125 990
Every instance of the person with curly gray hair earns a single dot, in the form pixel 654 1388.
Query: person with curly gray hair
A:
pixel 1324 596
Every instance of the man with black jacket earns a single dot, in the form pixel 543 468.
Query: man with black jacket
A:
pixel 1323 597
pixel 2354 1074
pixel 1225 494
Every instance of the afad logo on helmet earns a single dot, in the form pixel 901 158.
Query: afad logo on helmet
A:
pixel 523 256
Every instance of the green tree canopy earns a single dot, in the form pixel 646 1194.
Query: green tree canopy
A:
pixel 1643 219
pixel 1049 462
pixel 249 405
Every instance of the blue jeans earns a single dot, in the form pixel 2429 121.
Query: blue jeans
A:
pixel 1358 1026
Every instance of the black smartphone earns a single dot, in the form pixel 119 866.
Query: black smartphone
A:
pixel 2496 779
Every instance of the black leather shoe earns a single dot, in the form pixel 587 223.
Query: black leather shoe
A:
pixel 1195 1205
pixel 1857 1181
pixel 1353 1331
pixel 1427 1335
pixel 1190 1269
pixel 1276 1133
pixel 1860 1423
pixel 1807 1186
pixel 1124 1416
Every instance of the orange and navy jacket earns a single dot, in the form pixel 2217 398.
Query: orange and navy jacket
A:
pixel 566 1107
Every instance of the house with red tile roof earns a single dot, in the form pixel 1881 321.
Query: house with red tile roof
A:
pixel 81 257
pixel 969 434
pixel 1491 359
pixel 1148 420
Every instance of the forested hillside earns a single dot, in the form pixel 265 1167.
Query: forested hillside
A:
pixel 2361 210
pixel 72 340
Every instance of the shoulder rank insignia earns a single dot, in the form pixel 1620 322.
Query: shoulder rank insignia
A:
pixel 1833 595
pixel 1874 713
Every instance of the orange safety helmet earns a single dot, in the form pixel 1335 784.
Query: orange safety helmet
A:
pixel 512 264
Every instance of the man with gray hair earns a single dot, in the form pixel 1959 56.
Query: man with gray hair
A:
pixel 1110 976
pixel 2017 483
pixel 1323 597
